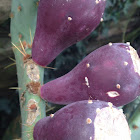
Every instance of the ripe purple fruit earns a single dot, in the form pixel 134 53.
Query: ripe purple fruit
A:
pixel 61 23
pixel 110 73
pixel 84 120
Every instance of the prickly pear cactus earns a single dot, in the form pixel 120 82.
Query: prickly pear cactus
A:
pixel 30 76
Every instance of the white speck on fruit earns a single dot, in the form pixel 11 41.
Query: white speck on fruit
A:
pixel 125 63
pixel 102 19
pixel 118 86
pixel 87 82
pixel 90 138
pixel 88 65
pixel 110 44
pixel 89 121
pixel 113 94
pixel 97 1
pixel 128 43
pixel 51 115
pixel 90 101
pixel 110 104
pixel 69 18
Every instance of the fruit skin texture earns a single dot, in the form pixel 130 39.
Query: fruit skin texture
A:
pixel 84 120
pixel 61 24
pixel 110 73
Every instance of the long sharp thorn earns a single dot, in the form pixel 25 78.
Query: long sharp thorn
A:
pixel 18 49
pixel 50 68
pixel 30 35
pixel 10 65
pixel 12 59
pixel 15 88
pixel 22 46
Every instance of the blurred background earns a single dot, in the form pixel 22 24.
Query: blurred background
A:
pixel 121 24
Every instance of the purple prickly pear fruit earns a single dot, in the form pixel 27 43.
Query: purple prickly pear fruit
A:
pixel 110 73
pixel 61 23
pixel 84 120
